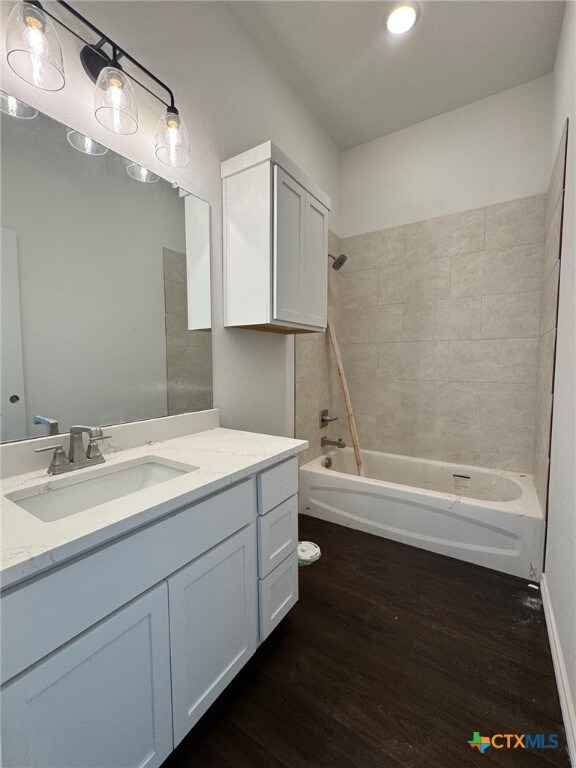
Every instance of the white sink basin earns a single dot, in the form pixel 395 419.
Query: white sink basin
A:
pixel 71 493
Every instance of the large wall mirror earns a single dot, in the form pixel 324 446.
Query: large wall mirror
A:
pixel 102 277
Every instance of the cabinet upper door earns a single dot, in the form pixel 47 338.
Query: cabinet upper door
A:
pixel 102 700
pixel 314 289
pixel 289 247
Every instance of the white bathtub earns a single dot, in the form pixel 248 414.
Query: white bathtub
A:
pixel 488 517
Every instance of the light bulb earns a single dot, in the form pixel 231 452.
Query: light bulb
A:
pixel 33 48
pixel 115 103
pixel 115 94
pixel 172 146
pixel 402 18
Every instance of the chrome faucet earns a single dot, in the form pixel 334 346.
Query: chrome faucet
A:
pixel 78 456
pixel 338 443
pixel 76 451
pixel 51 425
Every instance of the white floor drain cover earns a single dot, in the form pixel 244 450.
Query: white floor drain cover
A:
pixel 308 552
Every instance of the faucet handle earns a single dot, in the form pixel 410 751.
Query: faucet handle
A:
pixel 325 417
pixel 93 450
pixel 59 459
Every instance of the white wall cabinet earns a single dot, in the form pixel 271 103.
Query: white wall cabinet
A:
pixel 212 626
pixel 275 244
pixel 102 700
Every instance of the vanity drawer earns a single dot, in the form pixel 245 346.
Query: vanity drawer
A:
pixel 42 614
pixel 277 484
pixel 277 535
pixel 278 593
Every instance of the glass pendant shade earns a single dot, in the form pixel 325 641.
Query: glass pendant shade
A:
pixel 33 49
pixel 12 106
pixel 85 144
pixel 140 173
pixel 115 103
pixel 172 143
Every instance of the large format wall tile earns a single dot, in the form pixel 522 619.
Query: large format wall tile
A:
pixel 549 307
pixel 553 235
pixel 440 401
pixel 413 360
pixel 494 360
pixel 442 320
pixel 188 353
pixel 370 324
pixel 511 315
pixel 359 360
pixel 446 235
pixel 420 281
pixel 357 289
pixel 194 363
pixel 311 360
pixel 516 222
pixel 546 360
pixel 375 398
pixel 542 444
pixel 556 184
pixel 507 405
pixel 510 270
pixel 486 446
pixel 424 439
pixel 373 249
pixel 311 397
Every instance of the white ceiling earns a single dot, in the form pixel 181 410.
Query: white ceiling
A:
pixel 362 83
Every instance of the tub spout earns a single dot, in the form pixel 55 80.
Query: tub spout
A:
pixel 338 443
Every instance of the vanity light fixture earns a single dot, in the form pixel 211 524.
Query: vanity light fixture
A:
pixel 140 173
pixel 84 143
pixel 12 106
pixel 172 143
pixel 33 52
pixel 402 18
pixel 33 49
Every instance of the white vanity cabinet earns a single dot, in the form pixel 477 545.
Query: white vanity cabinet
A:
pixel 275 244
pixel 102 700
pixel 110 659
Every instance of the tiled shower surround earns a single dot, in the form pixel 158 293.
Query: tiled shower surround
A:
pixel 188 353
pixel 548 322
pixel 439 326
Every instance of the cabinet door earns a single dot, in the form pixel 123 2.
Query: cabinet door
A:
pixel 101 700
pixel 314 288
pixel 213 625
pixel 289 247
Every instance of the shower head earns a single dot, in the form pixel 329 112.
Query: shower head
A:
pixel 337 262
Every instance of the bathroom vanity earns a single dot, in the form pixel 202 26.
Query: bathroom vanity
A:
pixel 124 619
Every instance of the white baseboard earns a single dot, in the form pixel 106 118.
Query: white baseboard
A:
pixel 566 702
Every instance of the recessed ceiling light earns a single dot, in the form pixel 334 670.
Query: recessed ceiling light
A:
pixel 402 18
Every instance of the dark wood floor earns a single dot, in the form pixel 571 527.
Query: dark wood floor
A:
pixel 392 657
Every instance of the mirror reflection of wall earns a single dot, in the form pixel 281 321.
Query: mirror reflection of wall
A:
pixel 84 249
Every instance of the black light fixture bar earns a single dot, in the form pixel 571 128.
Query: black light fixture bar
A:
pixel 94 58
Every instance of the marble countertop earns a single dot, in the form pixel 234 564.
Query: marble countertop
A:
pixel 30 546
